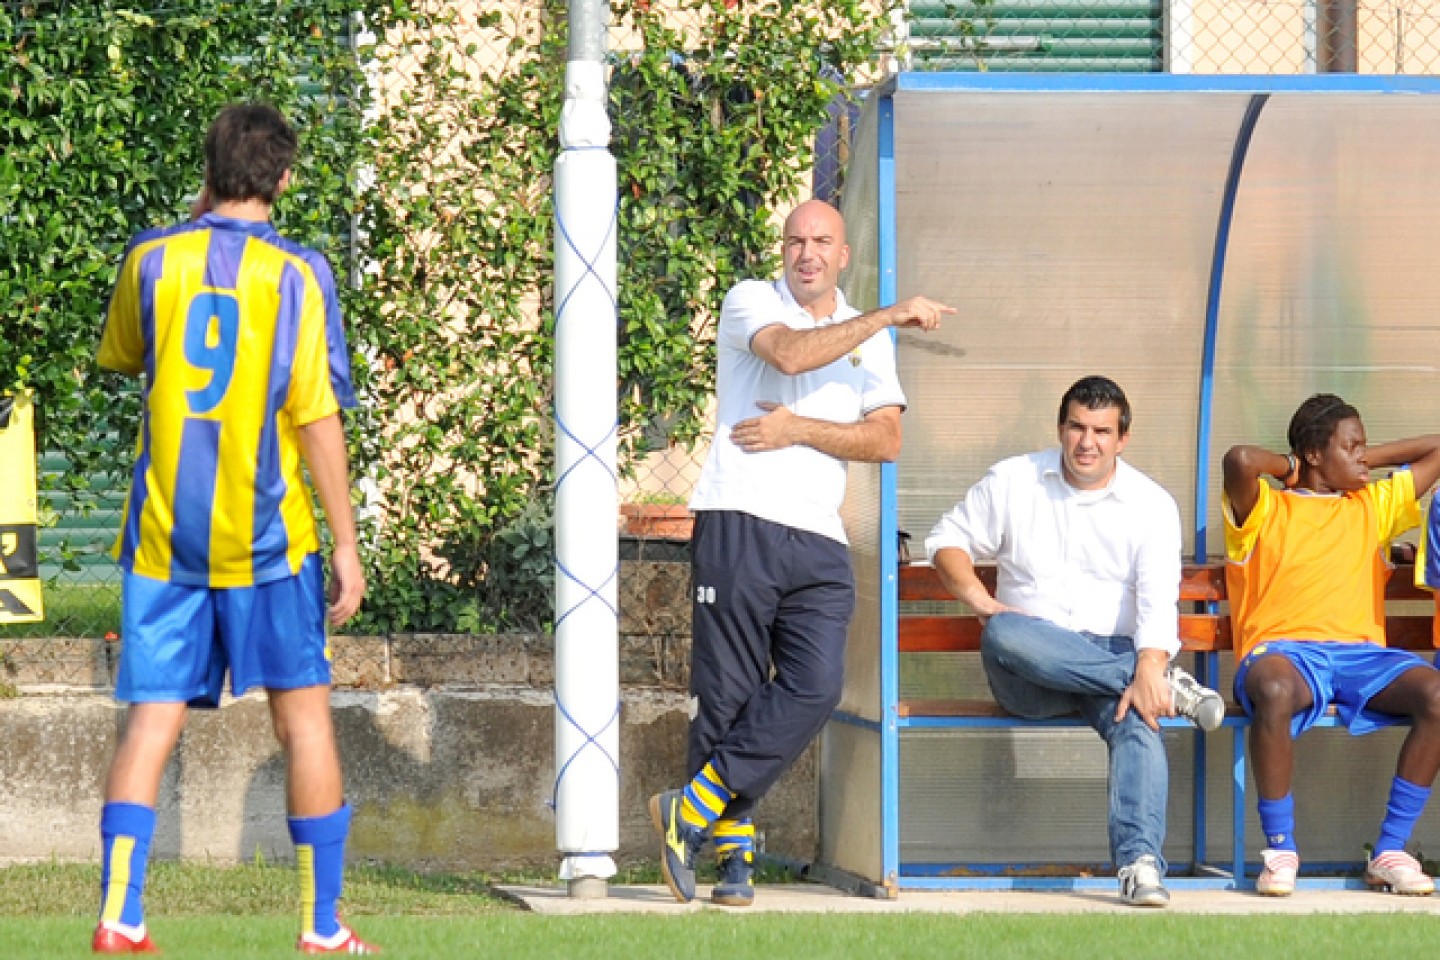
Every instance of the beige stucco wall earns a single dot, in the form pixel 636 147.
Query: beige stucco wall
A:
pixel 447 744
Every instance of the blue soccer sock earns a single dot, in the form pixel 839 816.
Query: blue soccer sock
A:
pixel 125 833
pixel 734 836
pixel 320 861
pixel 1407 802
pixel 1277 822
pixel 705 798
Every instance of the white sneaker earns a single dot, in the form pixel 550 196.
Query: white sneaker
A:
pixel 1141 885
pixel 1398 872
pixel 1200 705
pixel 1278 877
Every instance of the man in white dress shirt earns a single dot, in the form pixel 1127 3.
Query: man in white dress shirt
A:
pixel 1084 617
pixel 804 383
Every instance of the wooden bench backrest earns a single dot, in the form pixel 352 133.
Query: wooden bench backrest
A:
pixel 1200 632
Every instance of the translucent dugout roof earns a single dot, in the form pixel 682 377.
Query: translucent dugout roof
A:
pixel 1221 246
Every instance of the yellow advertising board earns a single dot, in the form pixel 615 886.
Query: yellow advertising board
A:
pixel 20 600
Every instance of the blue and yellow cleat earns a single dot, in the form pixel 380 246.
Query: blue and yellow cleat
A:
pixel 736 885
pixel 679 843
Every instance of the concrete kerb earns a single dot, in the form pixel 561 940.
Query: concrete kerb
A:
pixel 815 898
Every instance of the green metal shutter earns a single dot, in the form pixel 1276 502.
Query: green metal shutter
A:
pixel 1053 36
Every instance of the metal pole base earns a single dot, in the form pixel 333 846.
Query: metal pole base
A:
pixel 588 888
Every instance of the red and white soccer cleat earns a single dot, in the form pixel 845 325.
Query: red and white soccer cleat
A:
pixel 1278 877
pixel 110 938
pixel 344 941
pixel 1398 872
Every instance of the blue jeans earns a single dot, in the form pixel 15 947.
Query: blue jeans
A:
pixel 1037 670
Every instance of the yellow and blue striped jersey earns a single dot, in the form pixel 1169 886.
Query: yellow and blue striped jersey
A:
pixel 237 334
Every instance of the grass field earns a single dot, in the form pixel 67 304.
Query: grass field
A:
pixel 247 912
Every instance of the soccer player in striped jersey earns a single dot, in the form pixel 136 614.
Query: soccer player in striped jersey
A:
pixel 236 335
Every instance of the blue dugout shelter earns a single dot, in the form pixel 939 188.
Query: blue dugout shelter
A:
pixel 1222 247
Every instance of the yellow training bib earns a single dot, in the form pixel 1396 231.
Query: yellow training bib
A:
pixel 20 600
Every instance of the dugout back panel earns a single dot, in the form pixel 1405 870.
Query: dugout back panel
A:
pixel 1222 247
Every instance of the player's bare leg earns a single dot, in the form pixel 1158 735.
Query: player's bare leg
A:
pixel 319 816
pixel 1414 694
pixel 1277 692
pixel 127 824
pixel 314 785
pixel 151 731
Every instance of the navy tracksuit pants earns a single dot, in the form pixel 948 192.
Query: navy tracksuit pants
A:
pixel 771 606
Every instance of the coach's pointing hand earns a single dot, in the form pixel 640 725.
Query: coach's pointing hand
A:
pixel 919 312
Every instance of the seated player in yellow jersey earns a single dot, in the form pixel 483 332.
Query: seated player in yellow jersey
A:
pixel 1306 570
pixel 236 335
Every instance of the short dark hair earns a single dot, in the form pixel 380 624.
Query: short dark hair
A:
pixel 1314 422
pixel 1096 393
pixel 247 150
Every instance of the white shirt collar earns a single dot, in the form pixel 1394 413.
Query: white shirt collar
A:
pixel 788 298
pixel 1122 485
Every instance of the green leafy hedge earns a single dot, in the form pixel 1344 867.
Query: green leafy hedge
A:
pixel 103 109
pixel 437 203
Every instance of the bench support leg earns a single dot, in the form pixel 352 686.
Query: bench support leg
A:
pixel 1238 800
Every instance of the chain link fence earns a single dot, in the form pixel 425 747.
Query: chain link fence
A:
pixel 1183 36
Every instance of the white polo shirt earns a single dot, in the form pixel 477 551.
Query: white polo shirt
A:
pixel 1102 561
pixel 798 486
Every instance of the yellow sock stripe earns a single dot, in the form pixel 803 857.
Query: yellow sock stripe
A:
pixel 734 828
pixel 731 835
pixel 116 890
pixel 713 802
pixel 711 777
pixel 691 816
pixel 709 783
pixel 305 869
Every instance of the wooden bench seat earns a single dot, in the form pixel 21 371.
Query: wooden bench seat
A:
pixel 1202 589
pixel 958 631
pixel 931 622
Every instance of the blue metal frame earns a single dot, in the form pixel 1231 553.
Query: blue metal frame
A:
pixel 951 882
pixel 922 876
pixel 1161 83
pixel 985 876
pixel 1209 665
pixel 889 531
pixel 855 720
pixel 1212 319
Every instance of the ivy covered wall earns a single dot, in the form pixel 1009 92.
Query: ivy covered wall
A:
pixel 427 142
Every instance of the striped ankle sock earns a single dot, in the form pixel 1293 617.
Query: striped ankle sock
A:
pixel 125 833
pixel 320 861
pixel 732 836
pixel 705 798
pixel 1407 802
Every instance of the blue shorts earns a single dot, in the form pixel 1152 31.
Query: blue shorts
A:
pixel 1345 674
pixel 178 640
